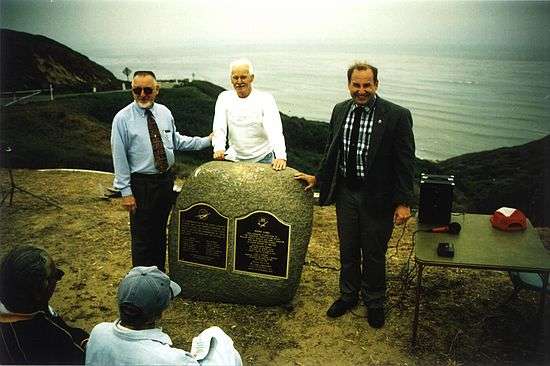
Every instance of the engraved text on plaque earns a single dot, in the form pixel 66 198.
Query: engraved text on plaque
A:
pixel 262 245
pixel 202 236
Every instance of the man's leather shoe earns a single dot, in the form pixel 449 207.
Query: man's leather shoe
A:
pixel 375 316
pixel 340 307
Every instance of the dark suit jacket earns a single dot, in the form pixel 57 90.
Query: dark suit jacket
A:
pixel 390 158
pixel 42 339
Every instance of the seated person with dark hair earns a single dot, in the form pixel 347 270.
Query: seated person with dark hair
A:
pixel 30 331
pixel 136 339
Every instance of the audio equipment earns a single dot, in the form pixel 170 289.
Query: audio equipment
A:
pixel 446 250
pixel 453 228
pixel 436 199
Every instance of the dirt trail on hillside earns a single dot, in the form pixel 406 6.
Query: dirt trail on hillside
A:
pixel 462 320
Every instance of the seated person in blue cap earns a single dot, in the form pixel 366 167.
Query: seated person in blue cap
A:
pixel 136 339
pixel 30 331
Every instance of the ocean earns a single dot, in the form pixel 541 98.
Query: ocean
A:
pixel 462 99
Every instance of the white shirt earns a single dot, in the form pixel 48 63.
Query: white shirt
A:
pixel 252 125
pixel 114 344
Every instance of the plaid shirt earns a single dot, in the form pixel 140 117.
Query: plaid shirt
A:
pixel 365 129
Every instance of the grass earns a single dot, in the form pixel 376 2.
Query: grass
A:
pixel 74 132
pixel 463 320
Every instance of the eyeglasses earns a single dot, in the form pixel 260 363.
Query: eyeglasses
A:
pixel 146 90
pixel 57 275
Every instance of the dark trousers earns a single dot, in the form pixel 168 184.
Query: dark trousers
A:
pixel 363 239
pixel 154 198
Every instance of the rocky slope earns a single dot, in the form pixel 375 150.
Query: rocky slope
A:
pixel 34 62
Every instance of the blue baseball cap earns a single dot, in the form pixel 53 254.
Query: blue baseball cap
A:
pixel 148 289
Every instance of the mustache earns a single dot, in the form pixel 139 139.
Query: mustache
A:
pixel 366 94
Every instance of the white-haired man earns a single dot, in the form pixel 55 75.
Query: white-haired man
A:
pixel 249 120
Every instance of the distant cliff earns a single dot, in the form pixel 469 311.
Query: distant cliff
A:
pixel 34 62
pixel 74 132
pixel 517 176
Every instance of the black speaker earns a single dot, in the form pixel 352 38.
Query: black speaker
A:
pixel 436 199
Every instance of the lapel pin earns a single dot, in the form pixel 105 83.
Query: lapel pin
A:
pixel 379 121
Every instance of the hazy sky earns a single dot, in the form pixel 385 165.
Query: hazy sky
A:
pixel 95 24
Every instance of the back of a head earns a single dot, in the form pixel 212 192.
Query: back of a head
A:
pixel 23 274
pixel 133 317
pixel 143 295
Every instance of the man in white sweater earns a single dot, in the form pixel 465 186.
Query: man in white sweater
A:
pixel 249 120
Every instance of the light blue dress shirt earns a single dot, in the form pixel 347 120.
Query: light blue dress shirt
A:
pixel 111 344
pixel 131 144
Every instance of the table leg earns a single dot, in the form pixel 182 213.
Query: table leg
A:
pixel 417 305
pixel 544 323
pixel 543 294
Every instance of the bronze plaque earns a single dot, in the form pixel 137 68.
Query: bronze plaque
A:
pixel 203 236
pixel 262 245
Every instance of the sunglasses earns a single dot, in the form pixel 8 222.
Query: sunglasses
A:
pixel 146 90
pixel 57 274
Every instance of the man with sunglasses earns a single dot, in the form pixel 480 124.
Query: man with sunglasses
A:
pixel 30 331
pixel 249 120
pixel 143 140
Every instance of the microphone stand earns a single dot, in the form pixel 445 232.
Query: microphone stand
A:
pixel 14 187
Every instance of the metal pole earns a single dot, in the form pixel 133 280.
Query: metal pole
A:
pixel 544 277
pixel 544 332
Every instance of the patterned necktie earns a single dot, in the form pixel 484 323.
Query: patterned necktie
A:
pixel 351 164
pixel 161 163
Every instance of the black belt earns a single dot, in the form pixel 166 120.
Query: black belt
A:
pixel 169 174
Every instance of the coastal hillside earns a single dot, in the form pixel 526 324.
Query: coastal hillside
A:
pixel 74 131
pixel 34 62
pixel 517 176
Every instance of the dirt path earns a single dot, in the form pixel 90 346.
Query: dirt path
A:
pixel 462 321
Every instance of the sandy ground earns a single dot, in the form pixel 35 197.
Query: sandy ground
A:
pixel 463 320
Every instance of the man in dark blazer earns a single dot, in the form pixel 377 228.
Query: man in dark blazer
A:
pixel 367 170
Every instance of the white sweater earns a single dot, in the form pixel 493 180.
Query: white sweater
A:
pixel 252 126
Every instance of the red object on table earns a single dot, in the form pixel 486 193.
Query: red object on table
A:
pixel 509 219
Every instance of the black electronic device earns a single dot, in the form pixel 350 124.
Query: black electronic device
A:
pixel 446 250
pixel 436 199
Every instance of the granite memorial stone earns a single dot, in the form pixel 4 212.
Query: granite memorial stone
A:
pixel 239 233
